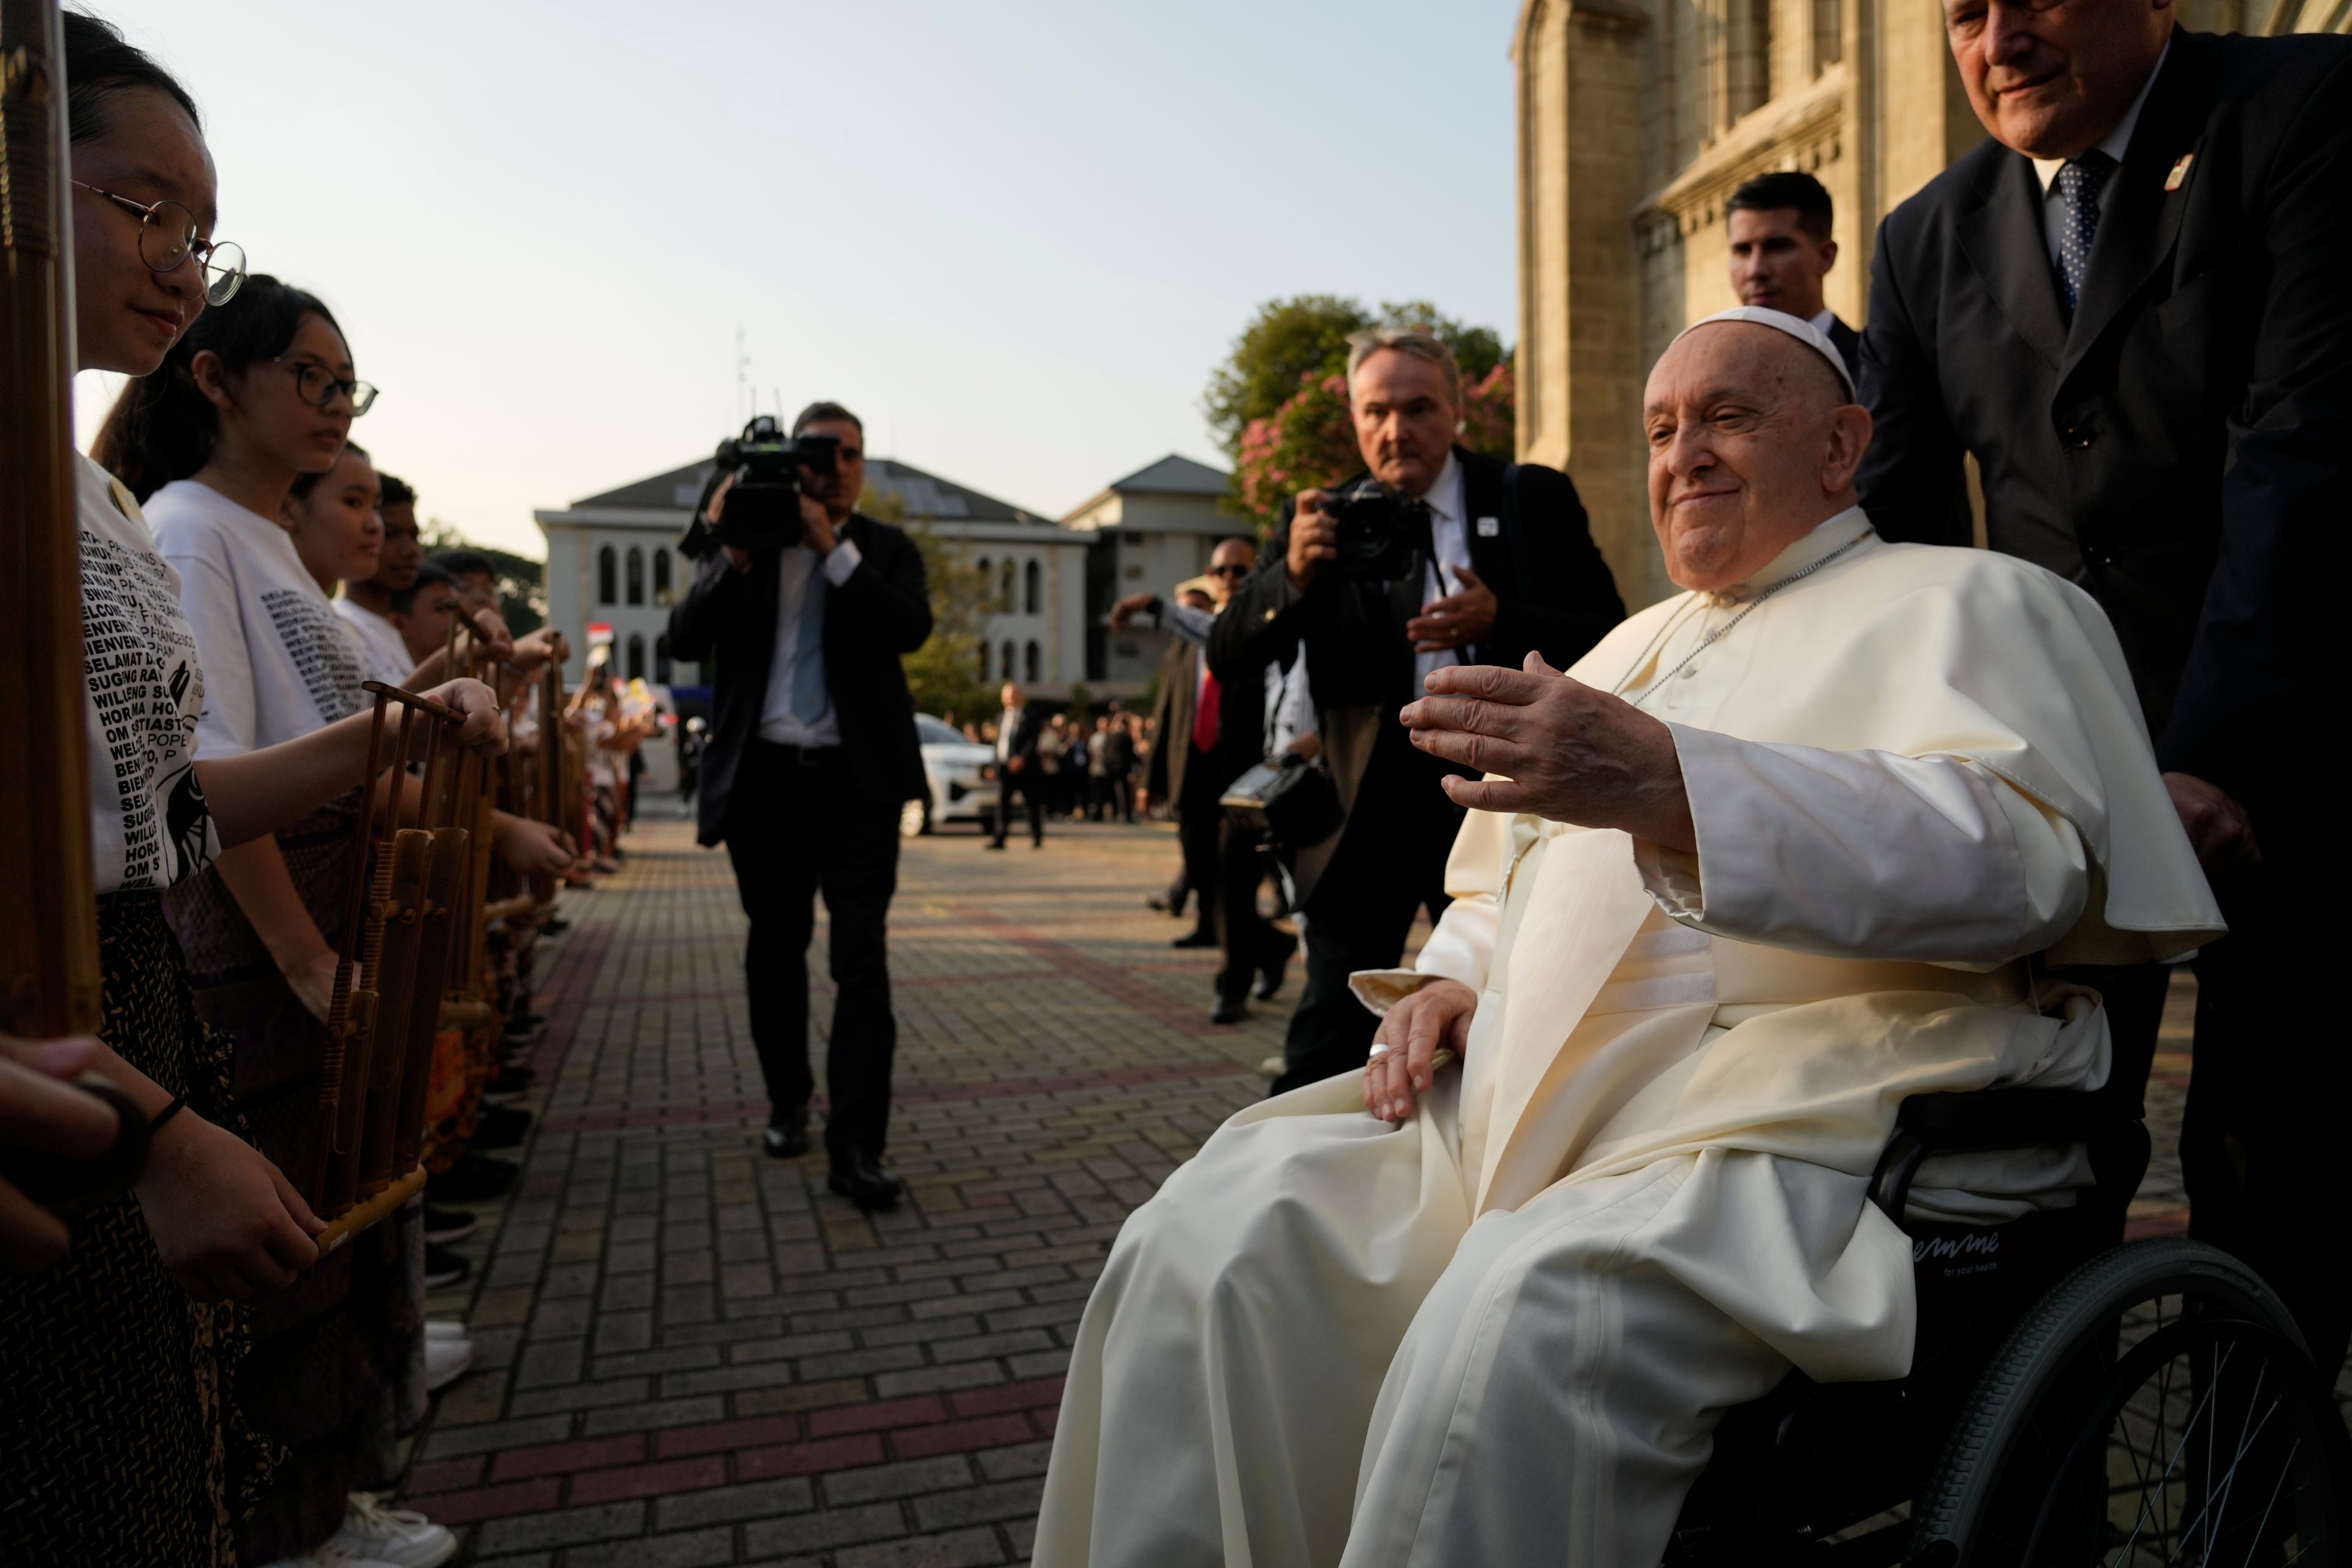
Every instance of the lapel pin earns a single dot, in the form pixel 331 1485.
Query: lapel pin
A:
pixel 1488 527
pixel 2180 176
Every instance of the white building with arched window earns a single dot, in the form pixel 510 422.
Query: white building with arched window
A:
pixel 612 559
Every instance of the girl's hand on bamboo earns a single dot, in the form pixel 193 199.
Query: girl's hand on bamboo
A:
pixel 227 1222
pixel 485 729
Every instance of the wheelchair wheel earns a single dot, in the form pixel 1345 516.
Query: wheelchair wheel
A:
pixel 2158 1406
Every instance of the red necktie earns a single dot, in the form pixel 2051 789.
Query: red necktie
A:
pixel 1204 716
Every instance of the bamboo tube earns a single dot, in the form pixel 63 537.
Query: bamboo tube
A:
pixel 381 1206
pixel 405 933
pixel 444 885
pixel 48 926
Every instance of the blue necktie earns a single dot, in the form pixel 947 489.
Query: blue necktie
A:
pixel 809 697
pixel 2079 183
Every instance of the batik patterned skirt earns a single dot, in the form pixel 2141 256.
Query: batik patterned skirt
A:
pixel 114 1443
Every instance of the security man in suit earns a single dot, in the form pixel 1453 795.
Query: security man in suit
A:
pixel 1212 730
pixel 2128 306
pixel 1780 227
pixel 1019 729
pixel 1511 569
pixel 811 755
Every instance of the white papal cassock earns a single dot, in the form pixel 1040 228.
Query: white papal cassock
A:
pixel 1504 1332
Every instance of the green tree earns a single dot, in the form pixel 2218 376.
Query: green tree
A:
pixel 1290 340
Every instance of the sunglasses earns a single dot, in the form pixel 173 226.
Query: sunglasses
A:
pixel 1229 570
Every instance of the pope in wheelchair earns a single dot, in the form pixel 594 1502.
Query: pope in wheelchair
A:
pixel 1808 840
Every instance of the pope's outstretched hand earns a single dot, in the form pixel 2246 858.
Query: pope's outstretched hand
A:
pixel 1564 750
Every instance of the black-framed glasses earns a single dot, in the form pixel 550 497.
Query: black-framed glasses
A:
pixel 315 385
pixel 1230 569
pixel 167 236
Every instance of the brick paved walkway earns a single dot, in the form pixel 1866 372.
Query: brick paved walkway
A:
pixel 693 1355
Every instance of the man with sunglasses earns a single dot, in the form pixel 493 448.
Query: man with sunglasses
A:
pixel 1209 729
pixel 1508 569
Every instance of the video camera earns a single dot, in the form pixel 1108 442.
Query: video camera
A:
pixel 1378 530
pixel 762 511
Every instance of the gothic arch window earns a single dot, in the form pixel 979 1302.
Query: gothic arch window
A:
pixel 661 577
pixel 608 576
pixel 983 664
pixel 1004 601
pixel 636 652
pixel 1005 669
pixel 1033 589
pixel 636 575
pixel 661 643
pixel 1029 661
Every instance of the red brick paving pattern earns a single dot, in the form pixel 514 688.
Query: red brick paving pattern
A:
pixel 691 1355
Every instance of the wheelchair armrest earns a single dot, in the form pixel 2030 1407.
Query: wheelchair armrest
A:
pixel 2011 1117
pixel 1989 1119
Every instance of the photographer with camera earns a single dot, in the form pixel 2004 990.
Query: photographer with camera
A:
pixel 1435 556
pixel 807 605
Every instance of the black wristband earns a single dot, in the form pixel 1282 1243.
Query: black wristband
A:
pixel 179 1102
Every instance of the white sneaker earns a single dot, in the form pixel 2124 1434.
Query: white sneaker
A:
pixel 445 1362
pixel 399 1536
pixel 446 1329
pixel 329 1554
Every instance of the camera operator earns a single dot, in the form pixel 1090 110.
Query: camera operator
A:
pixel 811 754
pixel 1483 563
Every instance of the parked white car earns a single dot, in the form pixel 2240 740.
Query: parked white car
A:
pixel 957 771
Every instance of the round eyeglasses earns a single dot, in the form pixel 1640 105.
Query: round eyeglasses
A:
pixel 315 385
pixel 167 236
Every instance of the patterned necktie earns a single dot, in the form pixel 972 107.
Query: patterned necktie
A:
pixel 2079 183
pixel 809 696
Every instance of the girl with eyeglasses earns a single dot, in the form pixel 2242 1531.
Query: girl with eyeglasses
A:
pixel 118 1437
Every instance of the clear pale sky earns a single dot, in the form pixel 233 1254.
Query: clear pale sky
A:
pixel 1015 238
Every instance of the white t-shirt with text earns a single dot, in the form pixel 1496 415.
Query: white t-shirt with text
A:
pixel 385 651
pixel 144 688
pixel 279 662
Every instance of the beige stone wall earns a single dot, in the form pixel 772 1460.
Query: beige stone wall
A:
pixel 1638 118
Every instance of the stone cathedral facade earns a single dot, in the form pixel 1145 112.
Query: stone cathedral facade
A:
pixel 1636 120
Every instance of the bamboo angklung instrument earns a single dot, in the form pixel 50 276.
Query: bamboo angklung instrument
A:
pixel 369 1113
pixel 48 927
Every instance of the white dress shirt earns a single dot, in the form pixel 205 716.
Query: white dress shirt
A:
pixel 2115 144
pixel 778 722
pixel 1450 555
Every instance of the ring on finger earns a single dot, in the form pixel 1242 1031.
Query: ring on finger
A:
pixel 1379 1048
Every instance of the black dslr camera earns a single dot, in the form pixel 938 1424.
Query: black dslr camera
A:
pixel 1379 531
pixel 762 511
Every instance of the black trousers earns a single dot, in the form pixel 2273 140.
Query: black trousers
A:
pixel 796 827
pixel 1025 784
pixel 1391 865
pixel 1200 834
pixel 2262 1144
pixel 1252 943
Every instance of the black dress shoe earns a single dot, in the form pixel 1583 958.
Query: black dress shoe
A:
pixel 1269 979
pixel 863 1182
pixel 785 1142
pixel 443 1267
pixel 444 1226
pixel 475 1178
pixel 1228 1010
pixel 510 1080
pixel 1197 939
pixel 500 1127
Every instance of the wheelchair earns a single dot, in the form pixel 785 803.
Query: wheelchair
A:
pixel 2073 1400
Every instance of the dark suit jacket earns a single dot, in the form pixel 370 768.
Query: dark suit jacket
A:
pixel 1554 593
pixel 1241 723
pixel 1028 730
pixel 2181 449
pixel 1847 342
pixel 881 612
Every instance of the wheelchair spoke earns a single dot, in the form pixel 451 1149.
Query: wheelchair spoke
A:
pixel 2163 1487
pixel 2276 1487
